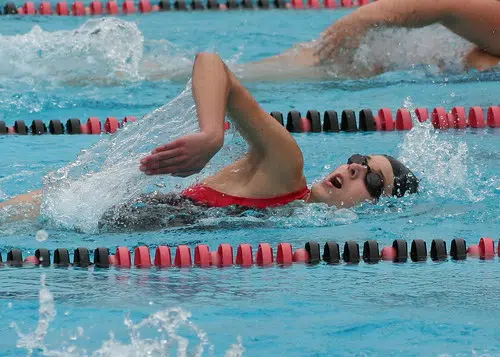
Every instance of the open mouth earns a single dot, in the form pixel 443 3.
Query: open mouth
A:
pixel 336 181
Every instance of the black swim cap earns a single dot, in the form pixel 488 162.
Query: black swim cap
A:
pixel 404 180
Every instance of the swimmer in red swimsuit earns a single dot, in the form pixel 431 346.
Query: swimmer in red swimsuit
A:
pixel 271 173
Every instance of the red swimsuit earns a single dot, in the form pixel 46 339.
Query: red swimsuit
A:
pixel 208 196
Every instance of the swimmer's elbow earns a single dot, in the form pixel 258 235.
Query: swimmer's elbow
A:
pixel 206 56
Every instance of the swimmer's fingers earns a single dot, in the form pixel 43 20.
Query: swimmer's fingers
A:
pixel 328 45
pixel 163 164
pixel 163 155
pixel 166 147
pixel 332 40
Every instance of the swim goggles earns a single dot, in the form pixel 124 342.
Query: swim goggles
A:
pixel 373 181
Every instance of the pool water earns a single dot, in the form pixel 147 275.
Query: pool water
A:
pixel 55 69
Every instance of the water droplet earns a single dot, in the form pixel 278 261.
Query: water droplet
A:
pixel 327 167
pixel 41 235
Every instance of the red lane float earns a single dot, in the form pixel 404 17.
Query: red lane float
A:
pixel 96 7
pixel 29 8
pixel 422 114
pixel 45 8
pixel 244 255
pixel 183 256
pixel 142 258
pixel 214 258
pixel 145 6
pixel 486 248
pixel 112 125
pixel 78 8
pixel 388 254
pixel 313 4
pixel 163 258
pixel 112 8
pixel 301 256
pixel 128 7
pixel 62 8
pixel 385 115
pixel 93 126
pixel 306 125
pixel 225 252
pixel 476 117
pixel 440 118
pixel 284 254
pixel 202 256
pixel 111 260
pixel 403 119
pixel 493 117
pixel 123 258
pixel 264 255
pixel 473 250
pixel 378 123
pixel 31 260
pixel 459 118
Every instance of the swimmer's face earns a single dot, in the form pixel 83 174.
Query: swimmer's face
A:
pixel 346 185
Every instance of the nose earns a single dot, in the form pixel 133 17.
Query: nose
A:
pixel 356 171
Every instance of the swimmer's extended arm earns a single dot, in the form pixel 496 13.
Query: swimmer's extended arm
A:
pixel 217 91
pixel 475 20
pixel 26 206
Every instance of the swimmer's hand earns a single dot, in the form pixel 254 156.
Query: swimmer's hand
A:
pixel 339 41
pixel 183 157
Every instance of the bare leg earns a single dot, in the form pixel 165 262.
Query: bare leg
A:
pixel 26 206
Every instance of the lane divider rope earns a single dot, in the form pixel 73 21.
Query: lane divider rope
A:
pixel 73 126
pixel 285 255
pixel 129 7
pixel 383 120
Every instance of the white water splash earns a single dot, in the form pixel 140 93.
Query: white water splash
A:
pixel 77 195
pixel 400 49
pixel 168 325
pixel 108 174
pixel 101 48
pixel 46 314
pixel 440 161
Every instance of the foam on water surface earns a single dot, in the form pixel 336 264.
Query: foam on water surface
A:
pixel 160 334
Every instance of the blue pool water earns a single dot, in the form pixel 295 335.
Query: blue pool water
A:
pixel 425 309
